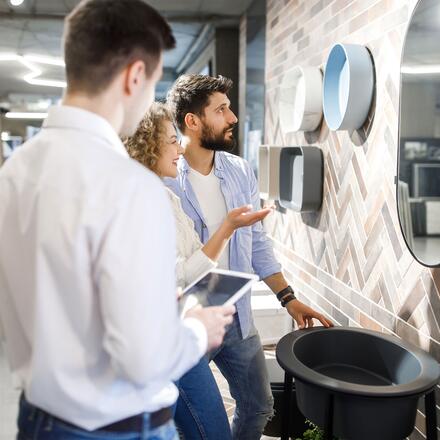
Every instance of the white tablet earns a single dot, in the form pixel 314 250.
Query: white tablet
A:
pixel 217 287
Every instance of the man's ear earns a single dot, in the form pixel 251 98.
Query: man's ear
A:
pixel 192 122
pixel 134 74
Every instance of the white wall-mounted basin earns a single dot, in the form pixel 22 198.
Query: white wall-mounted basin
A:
pixel 300 103
pixel 268 172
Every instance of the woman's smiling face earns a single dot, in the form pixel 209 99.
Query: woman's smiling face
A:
pixel 170 151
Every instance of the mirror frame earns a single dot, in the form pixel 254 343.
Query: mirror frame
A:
pixel 396 178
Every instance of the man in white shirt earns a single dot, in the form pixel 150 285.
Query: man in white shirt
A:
pixel 87 286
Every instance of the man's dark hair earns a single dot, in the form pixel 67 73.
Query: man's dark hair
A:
pixel 102 37
pixel 191 93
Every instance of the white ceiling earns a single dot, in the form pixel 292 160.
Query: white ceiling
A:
pixel 36 28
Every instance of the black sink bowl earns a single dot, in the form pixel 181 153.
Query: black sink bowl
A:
pixel 371 381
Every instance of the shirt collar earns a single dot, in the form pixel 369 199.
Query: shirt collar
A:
pixel 68 117
pixel 218 161
pixel 183 165
pixel 218 164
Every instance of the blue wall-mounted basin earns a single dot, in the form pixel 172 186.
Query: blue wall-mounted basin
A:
pixel 348 87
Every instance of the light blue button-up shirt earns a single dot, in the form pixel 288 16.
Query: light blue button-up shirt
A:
pixel 250 250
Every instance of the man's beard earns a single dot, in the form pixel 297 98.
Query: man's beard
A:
pixel 217 141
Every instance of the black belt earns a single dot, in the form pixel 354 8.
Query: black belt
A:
pixel 130 424
pixel 136 423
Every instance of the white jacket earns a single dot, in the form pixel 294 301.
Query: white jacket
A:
pixel 191 260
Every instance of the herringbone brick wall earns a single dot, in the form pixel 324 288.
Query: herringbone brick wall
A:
pixel 349 259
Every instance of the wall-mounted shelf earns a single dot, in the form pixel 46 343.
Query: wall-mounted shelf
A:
pixel 348 86
pixel 268 172
pixel 301 178
pixel 300 104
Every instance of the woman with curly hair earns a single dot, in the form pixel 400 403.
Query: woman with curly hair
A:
pixel 156 146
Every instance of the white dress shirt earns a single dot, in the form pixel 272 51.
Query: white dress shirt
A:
pixel 191 260
pixel 87 276
pixel 213 205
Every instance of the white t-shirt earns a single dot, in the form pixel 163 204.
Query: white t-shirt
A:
pixel 213 205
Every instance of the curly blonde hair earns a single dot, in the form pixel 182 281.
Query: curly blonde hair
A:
pixel 144 146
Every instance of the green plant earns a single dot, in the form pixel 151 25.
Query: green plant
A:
pixel 314 433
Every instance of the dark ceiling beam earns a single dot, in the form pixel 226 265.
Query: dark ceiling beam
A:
pixel 30 16
pixel 196 47
pixel 215 19
pixel 173 18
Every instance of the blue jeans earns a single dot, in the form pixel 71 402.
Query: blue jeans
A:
pixel 200 413
pixel 242 363
pixel 34 424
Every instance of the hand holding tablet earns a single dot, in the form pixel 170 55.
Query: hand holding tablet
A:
pixel 210 300
pixel 217 287
pixel 215 320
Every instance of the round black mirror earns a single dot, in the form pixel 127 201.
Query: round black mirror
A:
pixel 418 161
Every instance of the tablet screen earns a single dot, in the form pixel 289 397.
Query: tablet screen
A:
pixel 216 289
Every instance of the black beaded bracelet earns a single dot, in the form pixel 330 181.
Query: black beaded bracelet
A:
pixel 289 297
pixel 284 292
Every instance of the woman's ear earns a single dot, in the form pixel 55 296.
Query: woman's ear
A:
pixel 192 122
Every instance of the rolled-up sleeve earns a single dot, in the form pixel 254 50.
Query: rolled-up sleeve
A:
pixel 264 262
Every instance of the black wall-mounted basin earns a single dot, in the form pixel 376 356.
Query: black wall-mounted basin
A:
pixel 371 382
pixel 301 178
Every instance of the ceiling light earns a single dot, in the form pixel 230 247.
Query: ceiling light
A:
pixel 40 105
pixel 32 77
pixel 421 70
pixel 25 115
pixel 44 60
pixel 16 2
pixel 9 57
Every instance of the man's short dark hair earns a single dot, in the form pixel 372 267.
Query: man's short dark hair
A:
pixel 191 93
pixel 102 37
